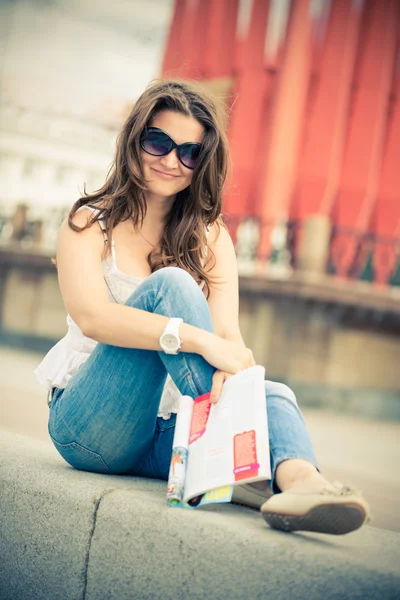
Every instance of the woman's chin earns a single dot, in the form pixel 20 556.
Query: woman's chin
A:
pixel 162 190
pixel 156 191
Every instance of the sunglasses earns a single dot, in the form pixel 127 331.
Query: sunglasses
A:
pixel 156 142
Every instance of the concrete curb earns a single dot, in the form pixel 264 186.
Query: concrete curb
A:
pixel 69 535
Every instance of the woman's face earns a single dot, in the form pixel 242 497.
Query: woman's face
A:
pixel 166 175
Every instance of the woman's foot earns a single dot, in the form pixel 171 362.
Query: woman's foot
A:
pixel 308 502
pixel 297 472
pixel 339 510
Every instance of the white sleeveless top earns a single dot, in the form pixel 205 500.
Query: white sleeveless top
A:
pixel 70 353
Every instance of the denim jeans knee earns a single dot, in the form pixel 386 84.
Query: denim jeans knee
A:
pixel 276 388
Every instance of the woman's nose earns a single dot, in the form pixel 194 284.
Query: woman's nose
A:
pixel 170 160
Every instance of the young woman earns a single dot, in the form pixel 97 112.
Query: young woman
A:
pixel 148 275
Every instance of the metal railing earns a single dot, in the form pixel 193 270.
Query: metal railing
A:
pixel 289 246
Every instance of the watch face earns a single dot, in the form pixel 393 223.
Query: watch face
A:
pixel 170 341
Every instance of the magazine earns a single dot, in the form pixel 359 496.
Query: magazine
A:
pixel 218 446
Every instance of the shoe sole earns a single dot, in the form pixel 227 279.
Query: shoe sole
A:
pixel 336 519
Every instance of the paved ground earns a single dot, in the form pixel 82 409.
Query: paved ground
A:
pixel 361 452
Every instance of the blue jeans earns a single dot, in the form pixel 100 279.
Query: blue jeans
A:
pixel 105 420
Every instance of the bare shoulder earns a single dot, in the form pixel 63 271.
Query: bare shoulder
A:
pixel 79 264
pixel 81 217
pixel 93 235
pixel 222 257
pixel 219 235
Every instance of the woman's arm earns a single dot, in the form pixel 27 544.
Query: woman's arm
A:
pixel 224 293
pixel 224 299
pixel 85 296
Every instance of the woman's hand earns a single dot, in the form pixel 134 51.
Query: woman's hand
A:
pixel 226 355
pixel 219 379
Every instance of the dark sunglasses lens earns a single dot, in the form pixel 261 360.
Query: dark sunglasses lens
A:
pixel 189 153
pixel 156 143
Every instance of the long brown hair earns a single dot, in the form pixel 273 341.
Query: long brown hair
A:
pixel 196 207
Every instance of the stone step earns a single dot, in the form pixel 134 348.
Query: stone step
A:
pixel 68 534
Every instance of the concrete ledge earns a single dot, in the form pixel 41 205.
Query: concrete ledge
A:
pixel 67 535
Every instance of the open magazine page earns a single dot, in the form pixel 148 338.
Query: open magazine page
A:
pixel 228 442
pixel 177 471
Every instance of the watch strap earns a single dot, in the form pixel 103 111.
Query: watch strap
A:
pixel 173 325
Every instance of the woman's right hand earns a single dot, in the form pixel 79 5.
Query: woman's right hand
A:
pixel 226 355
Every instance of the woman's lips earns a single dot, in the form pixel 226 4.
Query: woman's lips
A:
pixel 164 175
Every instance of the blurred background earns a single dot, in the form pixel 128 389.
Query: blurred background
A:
pixel 312 89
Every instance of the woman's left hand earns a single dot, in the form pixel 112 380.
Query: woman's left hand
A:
pixel 219 378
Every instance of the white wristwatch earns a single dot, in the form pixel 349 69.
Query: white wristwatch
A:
pixel 170 341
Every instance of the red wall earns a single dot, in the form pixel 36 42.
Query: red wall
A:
pixel 315 125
